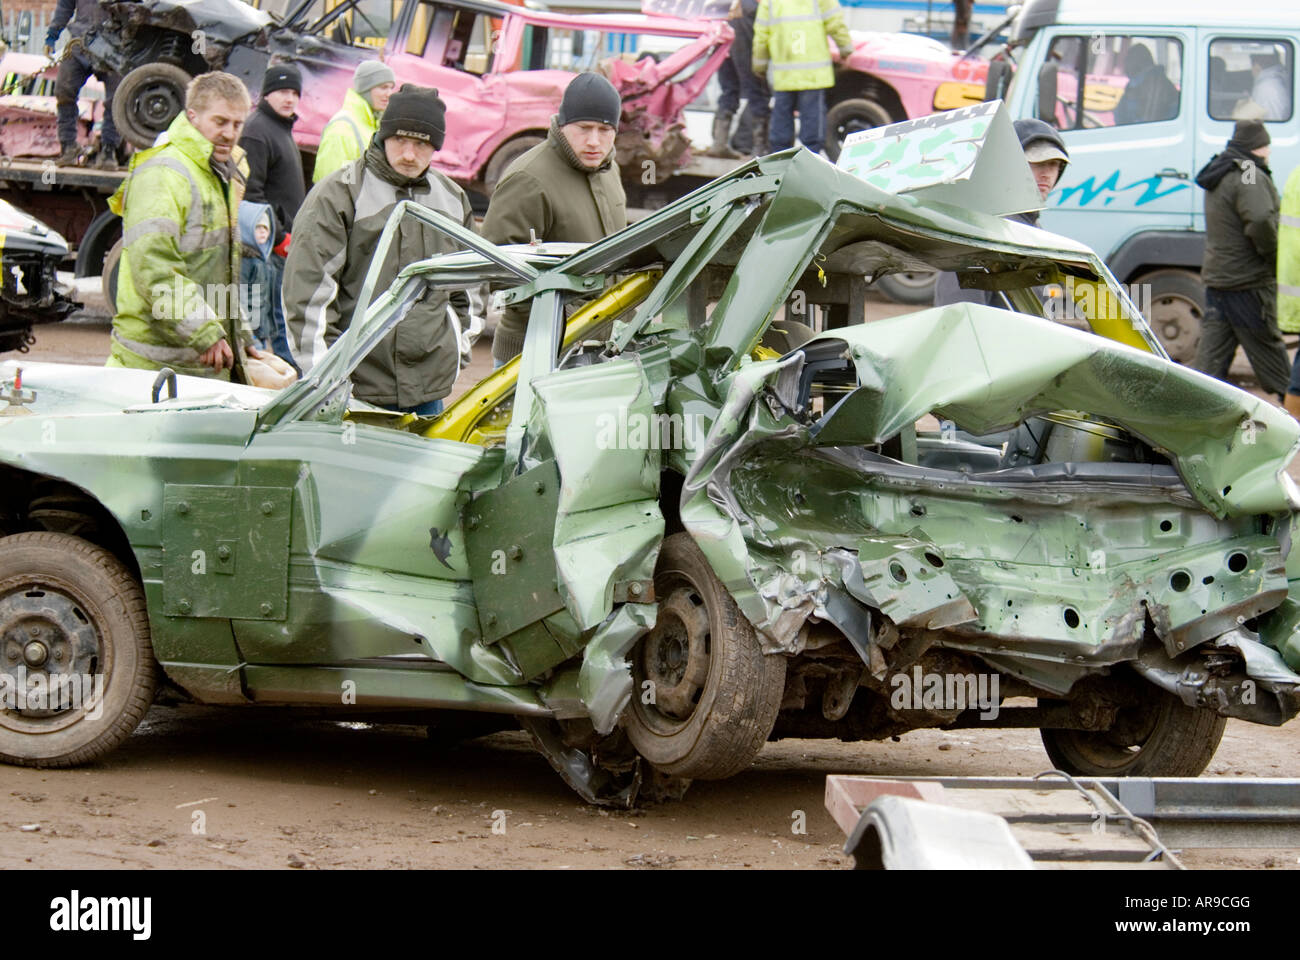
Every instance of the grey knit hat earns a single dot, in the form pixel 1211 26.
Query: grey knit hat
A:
pixel 371 74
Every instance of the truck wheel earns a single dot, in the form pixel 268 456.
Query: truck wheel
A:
pixel 1162 737
pixel 69 611
pixel 147 101
pixel 850 116
pixel 1177 307
pixel 916 288
pixel 108 279
pixel 505 155
pixel 715 693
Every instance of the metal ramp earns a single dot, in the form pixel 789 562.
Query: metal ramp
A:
pixel 1059 822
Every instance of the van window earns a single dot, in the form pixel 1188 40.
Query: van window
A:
pixel 1251 79
pixel 1125 79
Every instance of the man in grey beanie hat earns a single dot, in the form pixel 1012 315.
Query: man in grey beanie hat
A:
pixel 348 133
pixel 567 189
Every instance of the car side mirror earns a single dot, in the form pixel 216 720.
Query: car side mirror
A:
pixel 1047 93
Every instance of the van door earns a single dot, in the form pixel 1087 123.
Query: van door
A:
pixel 1124 101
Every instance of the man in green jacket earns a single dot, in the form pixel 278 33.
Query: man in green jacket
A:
pixel 1288 279
pixel 335 235
pixel 792 35
pixel 566 189
pixel 348 133
pixel 1239 267
pixel 177 299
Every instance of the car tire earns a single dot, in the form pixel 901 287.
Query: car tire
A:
pixel 147 101
pixel 108 279
pixel 716 694
pixel 78 605
pixel 1166 739
pixel 914 288
pixel 96 242
pixel 1177 309
pixel 506 154
pixel 849 116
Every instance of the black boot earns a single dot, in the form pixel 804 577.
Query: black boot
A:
pixel 761 146
pixel 68 155
pixel 721 131
pixel 742 141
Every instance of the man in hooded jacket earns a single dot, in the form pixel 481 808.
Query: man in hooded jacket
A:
pixel 1238 269
pixel 337 230
pixel 1045 151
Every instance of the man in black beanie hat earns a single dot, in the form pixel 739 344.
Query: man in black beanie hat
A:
pixel 275 174
pixel 567 189
pixel 415 365
pixel 1239 267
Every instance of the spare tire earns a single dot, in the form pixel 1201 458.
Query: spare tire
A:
pixel 147 101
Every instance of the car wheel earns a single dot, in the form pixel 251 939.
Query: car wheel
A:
pixel 506 155
pixel 714 693
pixel 108 279
pixel 1160 737
pixel 1177 308
pixel 147 101
pixel 70 609
pixel 914 288
pixel 92 251
pixel 850 116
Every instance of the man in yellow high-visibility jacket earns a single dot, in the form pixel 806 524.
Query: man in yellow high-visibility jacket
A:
pixel 178 294
pixel 1288 279
pixel 792 36
pixel 347 135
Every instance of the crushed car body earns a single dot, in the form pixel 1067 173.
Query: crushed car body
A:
pixel 683 523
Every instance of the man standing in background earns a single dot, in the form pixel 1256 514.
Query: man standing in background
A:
pixel 1240 265
pixel 275 177
pixel 80 17
pixel 347 135
pixel 792 35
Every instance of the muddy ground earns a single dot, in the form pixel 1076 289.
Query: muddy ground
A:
pixel 201 787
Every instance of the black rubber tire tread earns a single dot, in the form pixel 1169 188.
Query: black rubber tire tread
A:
pixel 1182 744
pixel 132 132
pixel 836 115
pixel 108 279
pixel 124 624
pixel 738 707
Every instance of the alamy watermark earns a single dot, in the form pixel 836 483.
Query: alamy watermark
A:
pixel 178 300
pixel 649 431
pixel 37 690
pixel 946 691
pixel 1096 301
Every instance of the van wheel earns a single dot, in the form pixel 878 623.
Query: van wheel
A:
pixel 1158 737
pixel 715 693
pixel 72 619
pixel 1177 308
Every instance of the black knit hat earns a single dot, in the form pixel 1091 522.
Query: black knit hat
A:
pixel 589 96
pixel 1249 135
pixel 415 112
pixel 283 76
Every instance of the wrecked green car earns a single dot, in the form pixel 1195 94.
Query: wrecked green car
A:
pixel 682 523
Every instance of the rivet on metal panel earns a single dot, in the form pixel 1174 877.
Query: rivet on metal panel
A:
pixel 183 507
pixel 184 606
pixel 635 589
pixel 267 507
pixel 515 552
pixel 223 552
pixel 540 488
pixel 266 609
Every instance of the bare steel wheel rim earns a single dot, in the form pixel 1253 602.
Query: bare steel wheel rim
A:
pixel 48 642
pixel 1119 746
pixel 1177 321
pixel 674 660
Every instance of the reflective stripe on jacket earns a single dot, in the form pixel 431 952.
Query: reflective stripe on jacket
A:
pixel 346 136
pixel 792 35
pixel 1288 256
pixel 178 282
